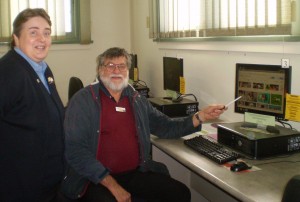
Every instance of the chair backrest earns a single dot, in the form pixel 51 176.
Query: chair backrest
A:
pixel 292 190
pixel 75 84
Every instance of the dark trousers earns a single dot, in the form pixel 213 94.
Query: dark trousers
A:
pixel 53 195
pixel 146 187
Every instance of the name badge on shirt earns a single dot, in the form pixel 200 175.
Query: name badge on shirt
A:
pixel 120 109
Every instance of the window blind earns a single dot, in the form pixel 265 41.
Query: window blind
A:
pixel 212 18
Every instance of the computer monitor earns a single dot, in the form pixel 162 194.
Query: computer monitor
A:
pixel 172 71
pixel 263 88
pixel 133 71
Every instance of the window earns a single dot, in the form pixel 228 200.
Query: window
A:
pixel 215 18
pixel 70 18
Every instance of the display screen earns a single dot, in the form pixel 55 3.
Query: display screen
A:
pixel 263 88
pixel 173 70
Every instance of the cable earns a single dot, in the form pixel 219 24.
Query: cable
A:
pixel 284 123
pixel 186 95
pixel 138 82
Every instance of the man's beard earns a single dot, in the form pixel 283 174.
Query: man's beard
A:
pixel 113 86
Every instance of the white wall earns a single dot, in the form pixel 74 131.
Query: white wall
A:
pixel 209 67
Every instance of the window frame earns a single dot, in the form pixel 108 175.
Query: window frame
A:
pixel 81 23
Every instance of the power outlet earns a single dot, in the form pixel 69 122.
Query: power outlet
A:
pixel 285 63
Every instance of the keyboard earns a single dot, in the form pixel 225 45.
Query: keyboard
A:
pixel 210 148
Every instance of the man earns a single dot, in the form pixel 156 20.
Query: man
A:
pixel 108 126
pixel 31 115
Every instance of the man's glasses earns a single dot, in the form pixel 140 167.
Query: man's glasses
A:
pixel 111 67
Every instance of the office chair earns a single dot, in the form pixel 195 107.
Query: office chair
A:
pixel 292 190
pixel 75 84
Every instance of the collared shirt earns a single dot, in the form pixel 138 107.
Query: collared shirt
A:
pixel 116 155
pixel 39 68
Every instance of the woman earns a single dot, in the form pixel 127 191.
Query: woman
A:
pixel 31 114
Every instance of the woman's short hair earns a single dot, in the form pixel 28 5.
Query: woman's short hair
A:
pixel 23 17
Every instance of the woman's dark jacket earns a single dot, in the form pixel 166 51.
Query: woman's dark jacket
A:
pixel 31 131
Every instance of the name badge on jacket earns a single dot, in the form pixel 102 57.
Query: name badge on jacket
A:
pixel 120 109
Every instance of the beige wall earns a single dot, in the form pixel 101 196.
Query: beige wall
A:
pixel 110 20
pixel 209 67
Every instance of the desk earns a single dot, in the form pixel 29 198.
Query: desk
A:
pixel 263 185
